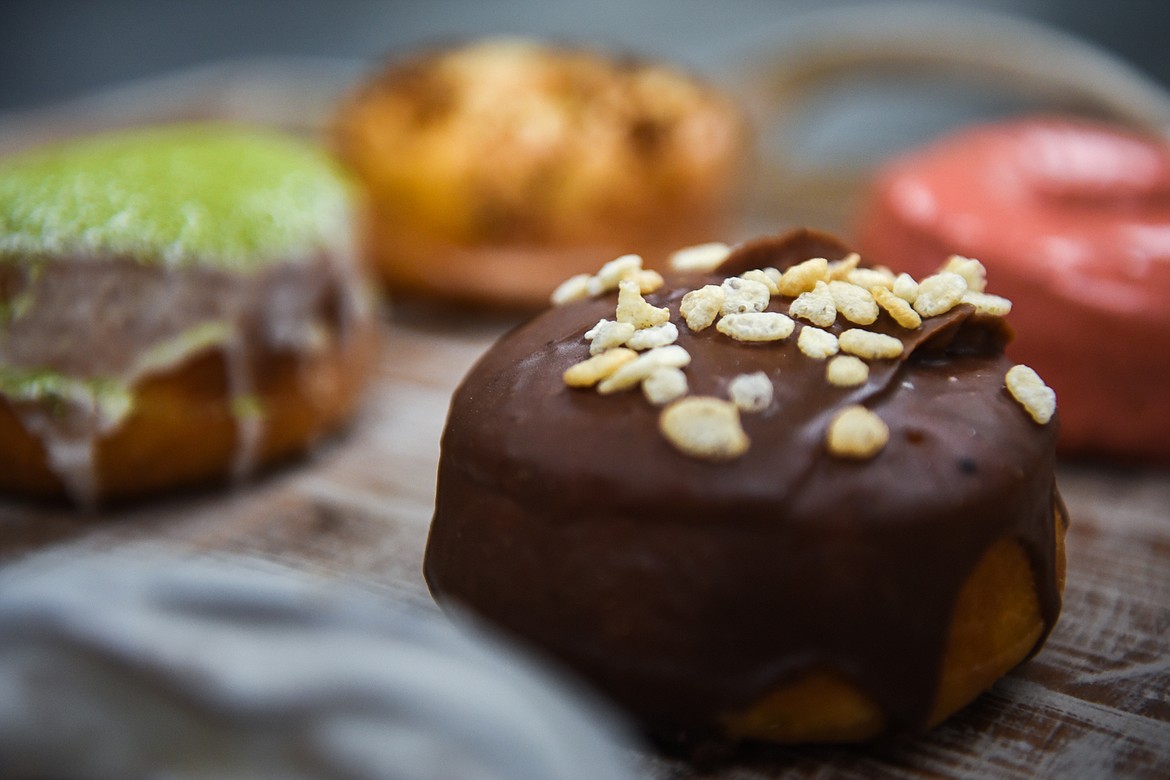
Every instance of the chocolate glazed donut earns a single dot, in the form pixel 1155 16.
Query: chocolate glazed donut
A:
pixel 753 599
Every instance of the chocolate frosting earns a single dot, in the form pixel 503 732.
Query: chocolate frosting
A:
pixel 686 588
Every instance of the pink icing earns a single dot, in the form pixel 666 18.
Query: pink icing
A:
pixel 1072 220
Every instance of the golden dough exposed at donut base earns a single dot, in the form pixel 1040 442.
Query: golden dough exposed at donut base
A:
pixel 995 626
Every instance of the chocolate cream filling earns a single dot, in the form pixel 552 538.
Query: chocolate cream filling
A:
pixel 77 334
pixel 688 589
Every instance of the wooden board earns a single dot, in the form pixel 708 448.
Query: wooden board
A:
pixel 1094 703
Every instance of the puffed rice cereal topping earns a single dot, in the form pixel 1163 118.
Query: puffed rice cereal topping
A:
pixel 704 427
pixel 1037 398
pixel 856 432
pixel 751 392
pixel 637 347
pixel 702 258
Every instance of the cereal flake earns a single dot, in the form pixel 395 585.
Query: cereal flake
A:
pixel 1037 398
pixel 816 306
pixel 855 303
pixel 574 288
pixel 648 280
pixel 846 371
pixel 634 371
pixel 634 309
pixel 613 273
pixel 839 270
pixel 664 385
pixel 655 336
pixel 756 326
pixel 704 427
pixel 744 295
pixel 869 345
pixel 751 392
pixel 757 275
pixel 985 303
pixel 970 269
pixel 700 307
pixel 871 277
pixel 816 343
pixel 897 307
pixel 803 277
pixel 591 371
pixel 906 288
pixel 856 432
pixel 939 293
pixel 701 257
pixel 607 334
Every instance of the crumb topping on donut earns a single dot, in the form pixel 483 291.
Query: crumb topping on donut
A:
pixel 700 307
pixel 704 427
pixel 803 277
pixel 853 302
pixel 815 305
pixel 869 345
pixel 607 334
pixel 756 326
pixel 939 293
pixel 589 372
pixel 632 373
pixel 701 257
pixel 740 307
pixel 972 271
pixel 856 432
pixel 666 384
pixel 897 307
pixel 653 336
pixel 816 343
pixel 751 392
pixel 741 296
pixel 846 371
pixel 995 305
pixel 632 307
pixel 591 139
pixel 1037 398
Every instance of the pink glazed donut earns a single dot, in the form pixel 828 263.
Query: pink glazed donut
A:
pixel 1072 220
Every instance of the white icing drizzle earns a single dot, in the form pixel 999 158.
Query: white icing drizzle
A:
pixel 249 418
pixel 71 458
pixel 120 322
pixel 69 435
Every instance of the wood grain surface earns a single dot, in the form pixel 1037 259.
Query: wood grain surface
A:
pixel 1094 703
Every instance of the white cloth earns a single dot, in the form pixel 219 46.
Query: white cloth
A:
pixel 196 668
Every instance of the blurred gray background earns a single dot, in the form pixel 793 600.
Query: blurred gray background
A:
pixel 834 87
pixel 52 50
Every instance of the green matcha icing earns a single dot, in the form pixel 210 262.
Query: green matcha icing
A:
pixel 180 195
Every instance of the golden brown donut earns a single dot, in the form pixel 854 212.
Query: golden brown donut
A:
pixel 497 168
pixel 177 305
pixel 705 515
